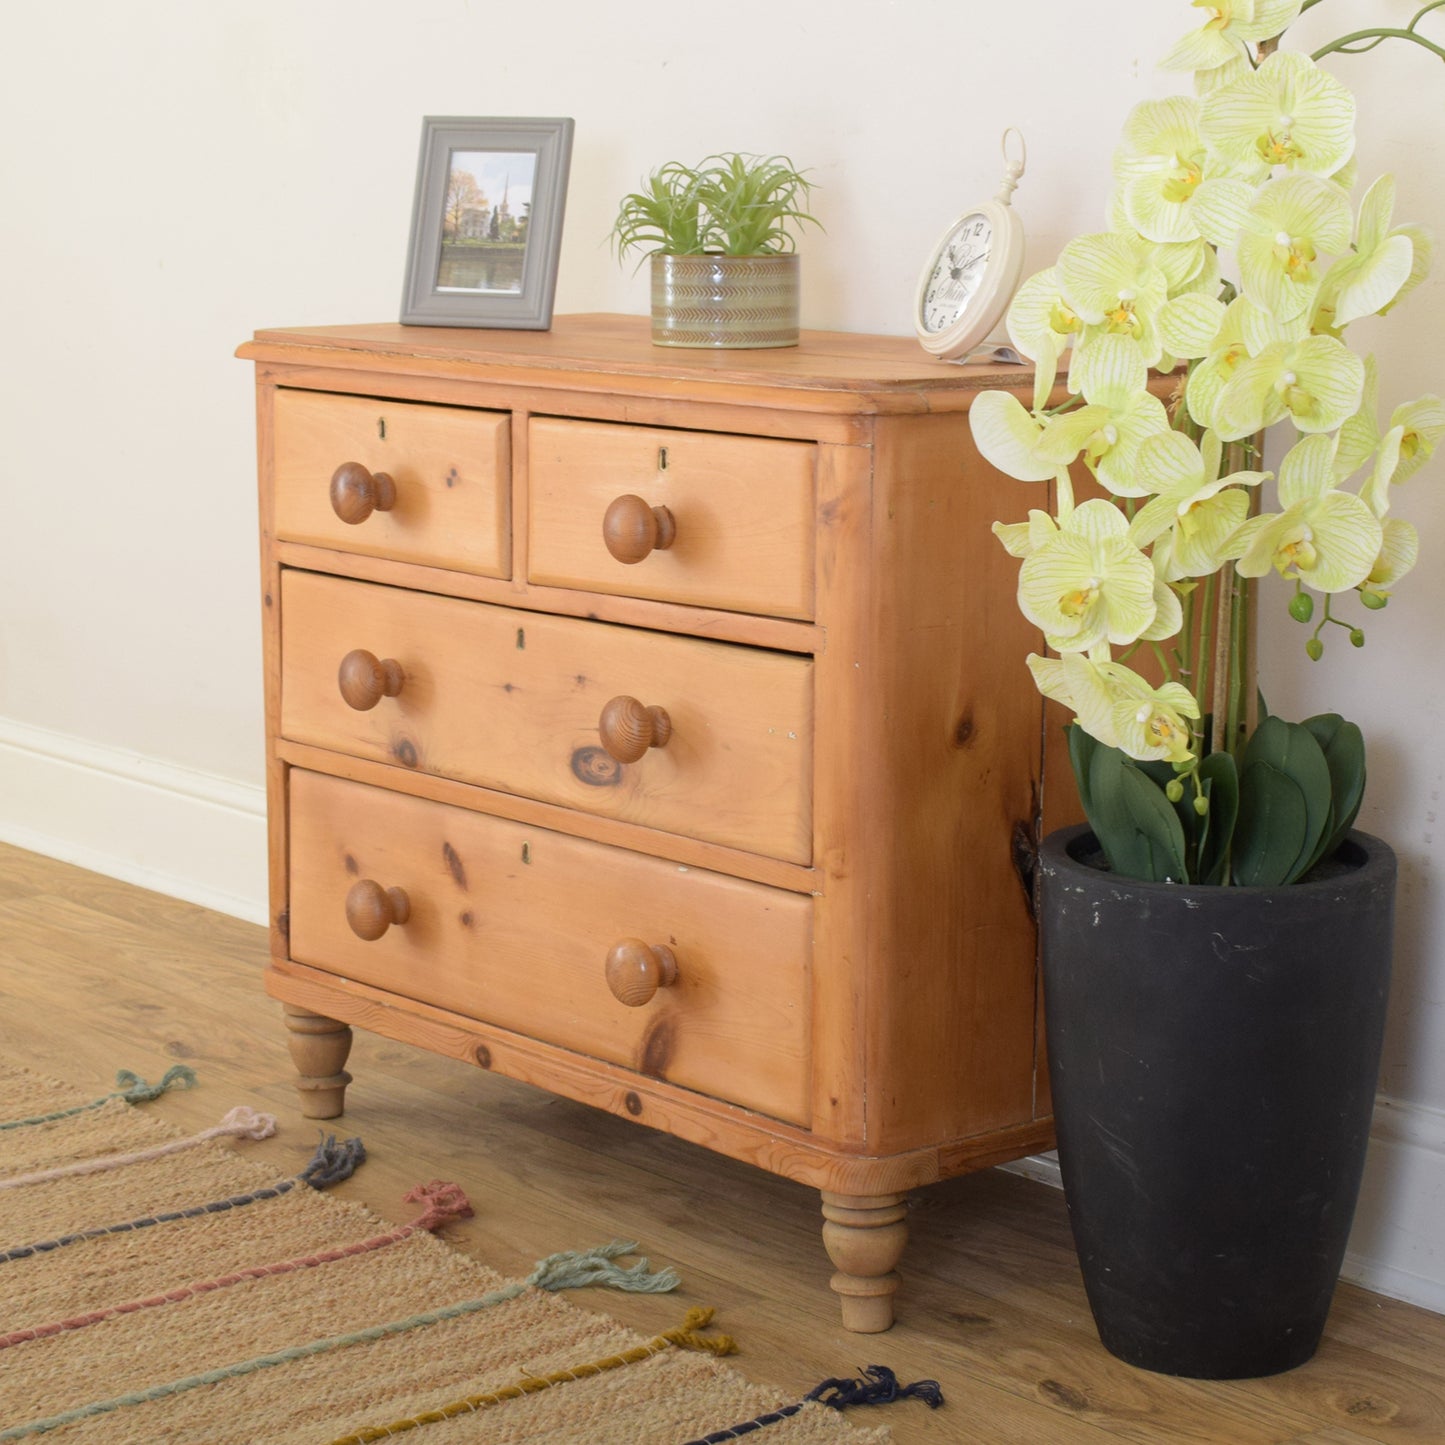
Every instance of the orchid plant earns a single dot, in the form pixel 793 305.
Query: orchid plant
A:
pixel 1234 261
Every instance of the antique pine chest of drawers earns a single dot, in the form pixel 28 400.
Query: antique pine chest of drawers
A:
pixel 652 726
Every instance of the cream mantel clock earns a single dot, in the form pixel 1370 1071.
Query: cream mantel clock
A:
pixel 972 275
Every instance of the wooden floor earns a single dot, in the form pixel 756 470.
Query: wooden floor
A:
pixel 97 975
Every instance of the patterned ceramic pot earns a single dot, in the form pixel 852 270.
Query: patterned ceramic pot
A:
pixel 740 302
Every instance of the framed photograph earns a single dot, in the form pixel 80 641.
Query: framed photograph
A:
pixel 486 225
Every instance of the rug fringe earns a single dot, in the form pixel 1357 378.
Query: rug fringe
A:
pixel 445 1202
pixel 355 1154
pixel 133 1089
pixel 593 1267
pixel 878 1386
pixel 242 1122
pixel 333 1161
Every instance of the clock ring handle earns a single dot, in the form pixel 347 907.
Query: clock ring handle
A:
pixel 1013 165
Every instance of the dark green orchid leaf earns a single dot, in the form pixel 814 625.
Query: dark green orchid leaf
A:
pixel 1274 818
pixel 1219 778
pixel 1343 745
pixel 1135 823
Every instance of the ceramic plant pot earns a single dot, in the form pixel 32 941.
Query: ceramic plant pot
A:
pixel 737 302
pixel 1213 1054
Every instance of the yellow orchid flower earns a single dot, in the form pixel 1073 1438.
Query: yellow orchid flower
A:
pixel 1326 538
pixel 1399 551
pixel 1196 512
pixel 1316 382
pixel 1228 25
pixel 1115 705
pixel 1110 374
pixel 1287 113
pixel 1160 165
pixel 1089 584
pixel 1114 286
pixel 1020 539
pixel 1007 437
pixel 1042 324
pixel 1381 268
pixel 1292 220
pixel 1414 431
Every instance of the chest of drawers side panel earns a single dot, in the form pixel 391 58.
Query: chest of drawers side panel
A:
pixel 929 754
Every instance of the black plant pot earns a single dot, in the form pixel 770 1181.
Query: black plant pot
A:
pixel 1213 1054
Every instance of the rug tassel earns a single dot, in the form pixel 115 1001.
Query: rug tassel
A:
pixel 879 1386
pixel 444 1202
pixel 333 1161
pixel 135 1090
pixel 577 1269
pixel 689 1338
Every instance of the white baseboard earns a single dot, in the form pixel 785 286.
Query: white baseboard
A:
pixel 1397 1245
pixel 184 833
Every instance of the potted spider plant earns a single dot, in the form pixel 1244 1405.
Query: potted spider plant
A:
pixel 724 260
pixel 1216 943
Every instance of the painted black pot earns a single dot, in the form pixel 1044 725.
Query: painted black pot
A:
pixel 1213 1054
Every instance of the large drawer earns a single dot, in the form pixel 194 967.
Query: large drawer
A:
pixel 513 926
pixel 741 510
pixel 516 700
pixel 449 467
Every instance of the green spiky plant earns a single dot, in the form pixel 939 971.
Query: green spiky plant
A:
pixel 1179 781
pixel 733 205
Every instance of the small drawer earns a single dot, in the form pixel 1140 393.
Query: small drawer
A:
pixel 543 934
pixel 694 517
pixel 707 739
pixel 444 494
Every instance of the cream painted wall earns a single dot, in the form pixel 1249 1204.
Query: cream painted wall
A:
pixel 175 174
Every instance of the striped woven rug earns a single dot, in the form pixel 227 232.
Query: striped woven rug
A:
pixel 163 1287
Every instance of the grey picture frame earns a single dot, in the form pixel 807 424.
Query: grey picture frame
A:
pixel 492 285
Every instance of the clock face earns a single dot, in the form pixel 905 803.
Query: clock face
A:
pixel 958 272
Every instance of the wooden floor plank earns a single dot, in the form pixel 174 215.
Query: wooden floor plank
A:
pixel 98 975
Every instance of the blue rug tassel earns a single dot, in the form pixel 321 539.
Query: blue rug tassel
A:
pixel 879 1386
pixel 333 1161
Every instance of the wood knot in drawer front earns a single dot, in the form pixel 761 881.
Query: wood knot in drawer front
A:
pixel 657 1047
pixel 404 751
pixel 483 1055
pixel 596 767
pixel 352 866
pixel 453 860
pixel 632 1104
pixel 963 733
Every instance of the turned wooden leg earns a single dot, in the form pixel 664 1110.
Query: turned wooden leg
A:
pixel 319 1047
pixel 864 1235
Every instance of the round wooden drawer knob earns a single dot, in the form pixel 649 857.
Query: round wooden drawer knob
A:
pixel 636 970
pixel 364 679
pixel 628 728
pixel 356 493
pixel 631 529
pixel 372 909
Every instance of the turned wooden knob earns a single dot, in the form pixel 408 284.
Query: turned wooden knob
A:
pixel 364 679
pixel 631 529
pixel 356 493
pixel 372 909
pixel 628 728
pixel 636 970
